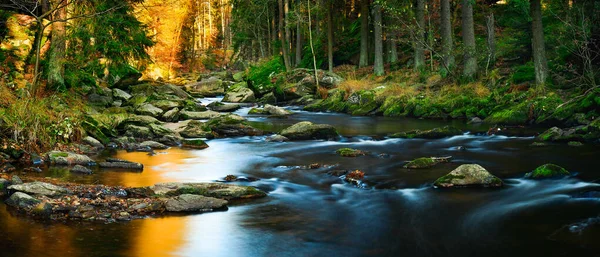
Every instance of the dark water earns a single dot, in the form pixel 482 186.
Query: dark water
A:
pixel 395 212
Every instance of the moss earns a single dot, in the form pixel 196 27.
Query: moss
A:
pixel 59 154
pixel 575 143
pixel 349 152
pixel 258 111
pixel 510 115
pixel 548 171
pixel 447 179
pixel 251 191
pixel 195 144
pixel 421 163
pixel 187 190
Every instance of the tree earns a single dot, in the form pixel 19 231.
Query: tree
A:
pixel 446 33
pixel 468 33
pixel 284 48
pixel 364 33
pixel 299 38
pixel 377 13
pixel 329 35
pixel 58 47
pixel 537 42
pixel 419 38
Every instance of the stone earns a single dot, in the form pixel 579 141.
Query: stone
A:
pixel 138 132
pixel 166 105
pixel 100 100
pixel 40 188
pixel 277 111
pixel 575 143
pixel 194 144
pixel 307 130
pixel 238 76
pixel 268 99
pixel 160 130
pixel 171 115
pixel 349 152
pixel 196 129
pixel 81 169
pixel 212 86
pixel 199 115
pixel 425 162
pixel 220 107
pixel 139 120
pixel 258 111
pixel 552 134
pixel 131 78
pixel 277 138
pixel 469 175
pixel 153 145
pixel 68 158
pixel 240 95
pixel 112 163
pixel 217 190
pixel 22 201
pixel 15 180
pixel 548 171
pixel 194 203
pixel 121 95
pixel 436 133
pixel 93 142
pixel 231 125
pixel 476 120
pixel 149 110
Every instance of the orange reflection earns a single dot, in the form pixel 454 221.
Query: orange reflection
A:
pixel 159 237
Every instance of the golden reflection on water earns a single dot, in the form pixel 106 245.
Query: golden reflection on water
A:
pixel 159 237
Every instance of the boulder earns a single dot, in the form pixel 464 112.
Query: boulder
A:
pixel 199 115
pixel 240 95
pixel 3 186
pixel 15 180
pixel 139 120
pixel 469 175
pixel 196 129
pixel 93 142
pixel 153 145
pixel 349 152
pixel 277 138
pixel 277 111
pixel 231 126
pixel 138 132
pixel 548 171
pixel 552 134
pixel 425 162
pixel 239 76
pixel 39 188
pixel 68 158
pixel 217 190
pixel 160 130
pixel 171 115
pixel 81 169
pixel 268 99
pixel 166 105
pixel 112 163
pixel 221 107
pixel 207 87
pixel 258 111
pixel 22 201
pixel 149 110
pixel 194 203
pixel 435 133
pixel 194 144
pixel 131 78
pixel 121 95
pixel 307 130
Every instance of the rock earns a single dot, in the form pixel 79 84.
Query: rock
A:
pixel 121 95
pixel 268 99
pixel 354 177
pixel 238 77
pixel 207 87
pixel 552 134
pixel 231 125
pixel 160 130
pixel 171 140
pixel 153 145
pixel 138 132
pixel 15 180
pixel 217 190
pixel 476 120
pixel 117 103
pixel 199 115
pixel 93 142
pixel 171 115
pixel 81 169
pixel 435 133
pixel 3 186
pixel 7 168
pixel 548 171
pixel 68 158
pixel 40 188
pixel 149 109
pixel 220 107
pixel 360 103
pixel 100 100
pixel 112 163
pixel 258 111
pixel 425 162
pixel 349 152
pixel 139 120
pixel 277 111
pixel 538 144
pixel 33 169
pixel 166 105
pixel 132 78
pixel 194 144
pixel 575 143
pixel 469 175
pixel 22 201
pixel 277 138
pixel 307 130
pixel 240 95
pixel 194 203
pixel 196 129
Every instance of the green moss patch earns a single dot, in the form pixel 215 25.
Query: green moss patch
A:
pixel 548 171
pixel 349 152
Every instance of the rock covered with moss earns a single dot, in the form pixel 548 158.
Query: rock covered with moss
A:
pixel 349 152
pixel 548 171
pixel 425 162
pixel 307 130
pixel 469 175
pixel 217 190
pixel 68 158
pixel 436 133
pixel 240 95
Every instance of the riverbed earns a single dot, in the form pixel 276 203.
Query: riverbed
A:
pixel 309 212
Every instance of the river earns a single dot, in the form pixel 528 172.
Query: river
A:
pixel 395 212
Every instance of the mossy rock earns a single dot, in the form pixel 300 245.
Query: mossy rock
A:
pixel 349 152
pixel 469 175
pixel 362 103
pixel 195 144
pixel 307 130
pixel 548 171
pixel 436 133
pixel 516 115
pixel 258 111
pixel 422 163
pixel 575 143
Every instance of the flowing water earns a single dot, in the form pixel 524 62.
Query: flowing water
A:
pixel 395 212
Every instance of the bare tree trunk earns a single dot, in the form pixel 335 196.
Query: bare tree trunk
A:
pixel 491 41
pixel 312 48
pixel 378 68
pixel 288 33
pixel 393 47
pixel 468 32
pixel 446 30
pixel 299 40
pixel 364 33
pixel 284 48
pixel 419 40
pixel 58 47
pixel 537 42
pixel 329 35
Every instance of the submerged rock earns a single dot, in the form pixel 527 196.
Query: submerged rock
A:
pixel 435 133
pixel 82 170
pixel 194 203
pixel 68 158
pixel 425 162
pixel 194 144
pixel 22 201
pixel 112 163
pixel 349 152
pixel 469 175
pixel 39 188
pixel 307 130
pixel 277 138
pixel 218 190
pixel 277 111
pixel 548 171
pixel 153 145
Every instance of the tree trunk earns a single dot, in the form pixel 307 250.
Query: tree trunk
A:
pixel 364 33
pixel 378 68
pixel 446 31
pixel 393 47
pixel 491 40
pixel 299 42
pixel 56 69
pixel 420 35
pixel 284 49
pixel 537 42
pixel 468 32
pixel 288 33
pixel 330 35
pixel 312 48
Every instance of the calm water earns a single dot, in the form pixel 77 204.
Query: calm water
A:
pixel 396 212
